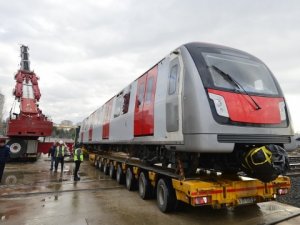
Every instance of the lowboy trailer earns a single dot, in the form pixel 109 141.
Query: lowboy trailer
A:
pixel 203 189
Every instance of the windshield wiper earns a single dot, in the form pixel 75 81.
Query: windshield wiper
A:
pixel 237 84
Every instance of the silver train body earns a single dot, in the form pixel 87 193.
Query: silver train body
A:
pixel 190 110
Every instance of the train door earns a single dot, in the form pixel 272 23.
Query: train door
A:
pixel 139 102
pixel 106 119
pixel 172 99
pixel 144 104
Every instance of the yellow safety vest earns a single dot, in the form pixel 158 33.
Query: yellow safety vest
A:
pixel 60 151
pixel 78 154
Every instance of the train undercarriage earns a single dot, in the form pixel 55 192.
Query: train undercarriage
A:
pixel 263 162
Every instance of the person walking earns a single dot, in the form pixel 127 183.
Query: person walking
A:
pixel 4 156
pixel 51 153
pixel 59 155
pixel 78 158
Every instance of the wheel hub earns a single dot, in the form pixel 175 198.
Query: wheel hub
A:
pixel 15 148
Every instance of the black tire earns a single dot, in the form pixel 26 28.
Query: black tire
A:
pixel 96 163
pixel 130 180
pixel 112 171
pixel 17 148
pixel 106 168
pixel 165 195
pixel 120 175
pixel 145 188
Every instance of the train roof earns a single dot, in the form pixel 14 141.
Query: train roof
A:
pixel 194 45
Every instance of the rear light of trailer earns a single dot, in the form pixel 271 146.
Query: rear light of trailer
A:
pixel 202 200
pixel 282 191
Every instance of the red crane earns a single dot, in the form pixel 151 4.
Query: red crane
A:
pixel 25 127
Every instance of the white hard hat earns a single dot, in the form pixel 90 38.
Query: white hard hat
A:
pixel 60 142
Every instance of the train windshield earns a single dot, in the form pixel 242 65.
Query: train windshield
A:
pixel 253 76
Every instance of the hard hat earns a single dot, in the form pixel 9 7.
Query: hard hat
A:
pixel 60 142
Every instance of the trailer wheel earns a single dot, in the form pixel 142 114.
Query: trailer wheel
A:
pixel 130 181
pixel 106 168
pixel 112 171
pixel 17 147
pixel 166 198
pixel 120 176
pixel 145 188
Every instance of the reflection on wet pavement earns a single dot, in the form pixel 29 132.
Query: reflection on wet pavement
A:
pixel 35 178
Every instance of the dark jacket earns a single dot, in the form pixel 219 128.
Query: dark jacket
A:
pixel 4 153
pixel 52 151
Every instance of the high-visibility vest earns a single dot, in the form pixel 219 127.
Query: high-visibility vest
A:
pixel 78 154
pixel 60 151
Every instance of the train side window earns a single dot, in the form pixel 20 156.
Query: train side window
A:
pixel 149 89
pixel 107 112
pixel 173 80
pixel 126 100
pixel 141 90
pixel 119 103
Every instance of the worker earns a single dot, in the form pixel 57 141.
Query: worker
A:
pixel 51 153
pixel 4 156
pixel 78 158
pixel 59 155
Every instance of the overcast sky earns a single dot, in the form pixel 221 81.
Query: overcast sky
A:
pixel 86 51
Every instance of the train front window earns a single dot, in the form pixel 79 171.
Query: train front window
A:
pixel 252 75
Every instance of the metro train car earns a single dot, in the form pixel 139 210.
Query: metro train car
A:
pixel 202 106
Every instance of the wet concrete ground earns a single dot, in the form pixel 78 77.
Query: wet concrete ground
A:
pixel 30 194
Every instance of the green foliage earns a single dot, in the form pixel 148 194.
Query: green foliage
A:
pixel 58 133
pixel 63 133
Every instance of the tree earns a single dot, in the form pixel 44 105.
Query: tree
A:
pixel 63 133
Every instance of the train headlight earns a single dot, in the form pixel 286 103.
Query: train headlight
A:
pixel 219 104
pixel 282 111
